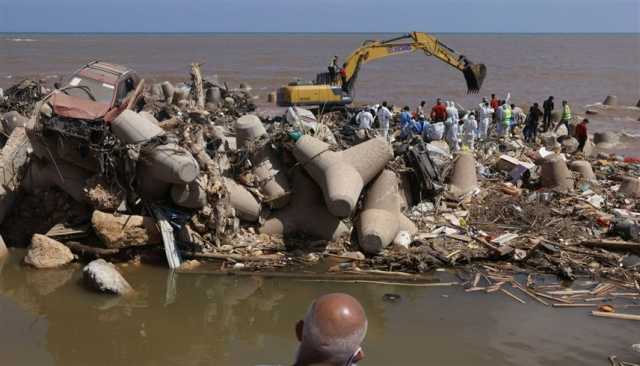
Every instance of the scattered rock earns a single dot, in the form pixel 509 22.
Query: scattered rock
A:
pixel 125 230
pixel 45 252
pixel 103 276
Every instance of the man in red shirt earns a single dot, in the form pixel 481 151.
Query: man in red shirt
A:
pixel 495 103
pixel 581 134
pixel 438 112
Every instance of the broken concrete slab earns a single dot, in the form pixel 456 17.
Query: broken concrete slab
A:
pixel 103 276
pixel 45 253
pixel 307 202
pixel 381 218
pixel 125 230
pixel 14 158
pixel 342 175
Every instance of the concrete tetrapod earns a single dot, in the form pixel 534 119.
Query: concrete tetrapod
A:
pixel 463 178
pixel 605 140
pixel 342 175
pixel 171 163
pixel 274 184
pixel 306 214
pixel 190 195
pixel 610 100
pixel 630 187
pixel 382 219
pixel 555 174
pixel 67 177
pixel 583 168
pixel 133 128
pixel 246 206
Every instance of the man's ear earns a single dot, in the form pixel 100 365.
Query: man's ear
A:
pixel 359 356
pixel 299 327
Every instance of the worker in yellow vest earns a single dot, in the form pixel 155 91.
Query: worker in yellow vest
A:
pixel 566 116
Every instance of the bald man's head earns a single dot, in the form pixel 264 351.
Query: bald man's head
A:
pixel 333 329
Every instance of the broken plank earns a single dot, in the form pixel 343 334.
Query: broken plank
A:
pixel 618 245
pixel 574 305
pixel 615 315
pixel 512 296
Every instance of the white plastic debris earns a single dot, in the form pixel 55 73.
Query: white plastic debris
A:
pixel 403 239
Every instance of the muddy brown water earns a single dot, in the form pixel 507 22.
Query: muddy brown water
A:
pixel 48 318
pixel 582 68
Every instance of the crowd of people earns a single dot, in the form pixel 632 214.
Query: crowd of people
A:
pixel 462 128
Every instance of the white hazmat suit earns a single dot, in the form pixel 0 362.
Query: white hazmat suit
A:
pixel 451 134
pixel 469 130
pixel 485 114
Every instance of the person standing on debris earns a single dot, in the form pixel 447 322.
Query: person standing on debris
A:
pixel 451 134
pixel 364 119
pixel 453 111
pixel 495 102
pixel 486 114
pixel 333 69
pixel 420 109
pixel 384 116
pixel 581 134
pixel 332 332
pixel 469 130
pixel 406 122
pixel 531 123
pixel 547 106
pixel 566 116
pixel 438 112
pixel 506 119
pixel 343 77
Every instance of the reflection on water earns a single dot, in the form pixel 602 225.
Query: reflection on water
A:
pixel 203 319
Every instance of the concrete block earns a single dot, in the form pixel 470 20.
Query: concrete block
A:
pixel 342 175
pixel 630 187
pixel 307 213
pixel 246 206
pixel 381 219
pixel 463 178
pixel 103 276
pixel 132 128
pixel 555 174
pixel 583 168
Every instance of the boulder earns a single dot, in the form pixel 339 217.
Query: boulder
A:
pixel 125 230
pixel 103 276
pixel 45 252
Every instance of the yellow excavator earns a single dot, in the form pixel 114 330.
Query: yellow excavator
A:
pixel 329 93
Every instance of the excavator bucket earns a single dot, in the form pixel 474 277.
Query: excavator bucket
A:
pixel 474 75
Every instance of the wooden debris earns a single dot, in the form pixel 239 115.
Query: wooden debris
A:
pixel 615 315
pixel 512 296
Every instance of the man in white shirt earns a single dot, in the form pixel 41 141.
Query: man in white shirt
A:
pixel 364 119
pixel 384 116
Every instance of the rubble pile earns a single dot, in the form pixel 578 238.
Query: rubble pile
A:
pixel 198 165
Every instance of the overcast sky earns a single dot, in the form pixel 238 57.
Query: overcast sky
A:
pixel 319 15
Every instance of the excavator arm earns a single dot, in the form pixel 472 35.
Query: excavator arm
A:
pixel 474 74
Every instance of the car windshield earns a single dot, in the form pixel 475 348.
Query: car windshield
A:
pixel 103 92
